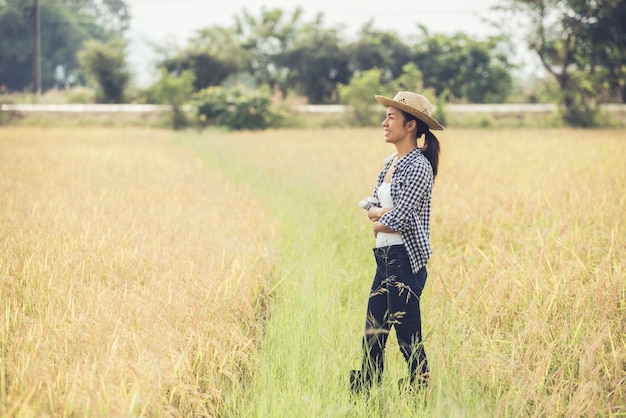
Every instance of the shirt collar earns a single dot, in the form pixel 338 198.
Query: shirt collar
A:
pixel 407 159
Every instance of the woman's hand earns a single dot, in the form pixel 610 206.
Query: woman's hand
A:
pixel 375 213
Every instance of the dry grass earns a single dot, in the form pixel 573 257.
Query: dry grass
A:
pixel 131 277
pixel 531 266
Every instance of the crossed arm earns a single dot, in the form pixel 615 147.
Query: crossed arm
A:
pixel 374 214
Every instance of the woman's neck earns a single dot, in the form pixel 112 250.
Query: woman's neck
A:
pixel 405 147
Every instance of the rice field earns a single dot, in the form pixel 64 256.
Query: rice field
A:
pixel 146 273
pixel 129 285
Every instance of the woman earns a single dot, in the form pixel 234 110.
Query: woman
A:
pixel 400 215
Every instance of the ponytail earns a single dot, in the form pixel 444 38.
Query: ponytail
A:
pixel 431 148
pixel 431 143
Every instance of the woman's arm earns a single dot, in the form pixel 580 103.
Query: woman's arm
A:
pixel 381 227
pixel 374 213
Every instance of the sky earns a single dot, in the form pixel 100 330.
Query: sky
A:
pixel 158 21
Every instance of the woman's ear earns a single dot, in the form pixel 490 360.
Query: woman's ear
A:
pixel 412 125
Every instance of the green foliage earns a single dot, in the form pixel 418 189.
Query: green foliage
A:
pixel 175 91
pixel 315 64
pixel 65 25
pixel 264 38
pixel 79 95
pixel 411 79
pixel 470 70
pixel 235 108
pixel 306 58
pixel 537 90
pixel 104 64
pixel 582 44
pixel 113 15
pixel 359 94
pixel 213 55
pixel 16 51
pixel 579 107
pixel 207 69
pixel 608 37
pixel 5 116
pixel 377 49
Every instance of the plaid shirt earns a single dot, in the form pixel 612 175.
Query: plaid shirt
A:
pixel 411 192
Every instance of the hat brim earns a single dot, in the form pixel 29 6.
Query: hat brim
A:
pixel 431 122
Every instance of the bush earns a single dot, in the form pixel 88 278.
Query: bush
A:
pixel 175 91
pixel 236 108
pixel 80 95
pixel 359 95
pixel 104 64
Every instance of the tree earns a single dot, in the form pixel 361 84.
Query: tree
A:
pixel 359 94
pixel 213 55
pixel 411 79
pixel 378 49
pixel 607 34
pixel 16 47
pixel 470 70
pixel 582 44
pixel 280 51
pixel 266 37
pixel 112 15
pixel 315 63
pixel 175 91
pixel 65 25
pixel 104 64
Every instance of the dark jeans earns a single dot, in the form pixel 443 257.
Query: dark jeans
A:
pixel 394 301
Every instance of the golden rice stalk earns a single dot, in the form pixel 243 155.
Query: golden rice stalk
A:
pixel 130 275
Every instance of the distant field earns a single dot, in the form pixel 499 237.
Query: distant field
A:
pixel 136 280
pixel 130 284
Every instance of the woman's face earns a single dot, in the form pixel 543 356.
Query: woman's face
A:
pixel 394 126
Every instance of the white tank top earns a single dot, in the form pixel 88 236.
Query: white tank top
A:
pixel 384 239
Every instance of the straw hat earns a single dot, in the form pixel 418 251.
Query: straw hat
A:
pixel 415 104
